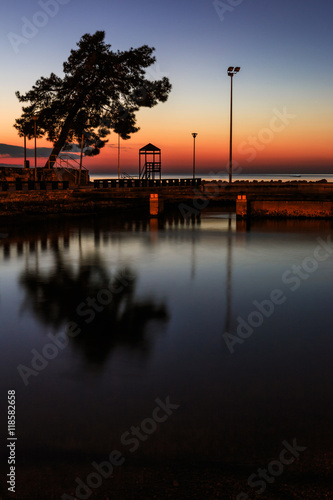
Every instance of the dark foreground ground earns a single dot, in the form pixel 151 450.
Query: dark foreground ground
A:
pixel 137 480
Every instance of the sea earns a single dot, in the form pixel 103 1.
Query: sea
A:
pixel 203 344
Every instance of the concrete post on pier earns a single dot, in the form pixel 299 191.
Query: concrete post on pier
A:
pixel 156 205
pixel 241 206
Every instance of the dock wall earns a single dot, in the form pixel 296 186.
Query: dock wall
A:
pixel 249 208
pixel 16 179
pixel 311 200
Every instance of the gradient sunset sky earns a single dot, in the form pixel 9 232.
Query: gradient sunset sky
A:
pixel 283 95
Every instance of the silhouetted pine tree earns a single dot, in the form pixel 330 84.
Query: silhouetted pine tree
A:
pixel 101 91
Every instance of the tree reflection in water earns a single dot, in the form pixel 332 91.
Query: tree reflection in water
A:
pixel 109 319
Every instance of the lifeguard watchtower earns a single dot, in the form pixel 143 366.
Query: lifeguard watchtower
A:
pixel 149 162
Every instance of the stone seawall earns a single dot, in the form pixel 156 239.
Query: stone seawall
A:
pixel 281 200
pixel 57 202
pixel 306 209
pixel 88 200
pixel 10 176
pixel 271 190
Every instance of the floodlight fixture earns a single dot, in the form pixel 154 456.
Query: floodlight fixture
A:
pixel 233 70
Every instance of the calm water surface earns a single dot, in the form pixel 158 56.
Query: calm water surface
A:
pixel 153 302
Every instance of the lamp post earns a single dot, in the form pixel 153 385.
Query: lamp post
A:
pixel 118 156
pixel 81 153
pixel 231 72
pixel 81 158
pixel 194 134
pixel 25 151
pixel 35 134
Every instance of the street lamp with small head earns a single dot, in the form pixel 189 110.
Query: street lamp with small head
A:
pixel 194 134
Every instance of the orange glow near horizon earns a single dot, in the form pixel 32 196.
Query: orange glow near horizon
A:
pixel 255 144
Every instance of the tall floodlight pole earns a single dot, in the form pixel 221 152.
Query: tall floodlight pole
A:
pixel 194 134
pixel 35 134
pixel 231 72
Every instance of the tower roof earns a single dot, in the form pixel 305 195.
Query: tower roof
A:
pixel 150 147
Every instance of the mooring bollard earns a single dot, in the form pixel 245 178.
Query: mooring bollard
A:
pixel 155 205
pixel 241 206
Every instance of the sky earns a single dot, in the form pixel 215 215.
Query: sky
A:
pixel 282 96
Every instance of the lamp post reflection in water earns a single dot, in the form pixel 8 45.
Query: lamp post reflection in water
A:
pixel 229 277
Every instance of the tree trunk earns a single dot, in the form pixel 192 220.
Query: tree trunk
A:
pixel 59 144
